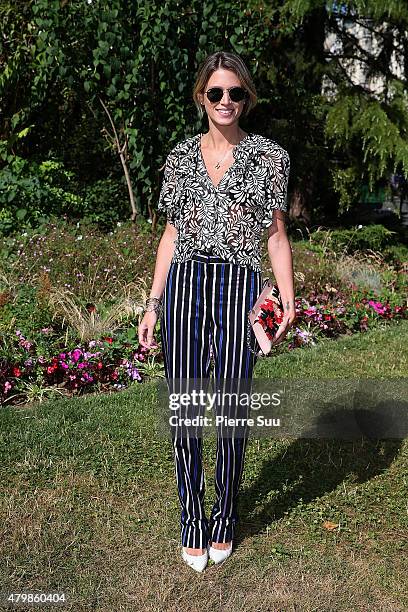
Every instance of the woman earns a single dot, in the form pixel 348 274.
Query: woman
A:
pixel 220 190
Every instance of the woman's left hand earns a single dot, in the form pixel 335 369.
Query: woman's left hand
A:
pixel 284 327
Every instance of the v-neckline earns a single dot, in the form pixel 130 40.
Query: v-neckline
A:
pixel 215 187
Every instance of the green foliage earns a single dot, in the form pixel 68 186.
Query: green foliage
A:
pixel 61 60
pixel 29 191
pixel 374 237
pixel 74 55
pixel 346 183
pixel 104 202
pixel 367 122
pixel 356 120
pixel 397 254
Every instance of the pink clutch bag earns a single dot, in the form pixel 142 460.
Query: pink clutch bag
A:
pixel 265 317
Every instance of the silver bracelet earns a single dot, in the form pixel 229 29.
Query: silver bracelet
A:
pixel 154 304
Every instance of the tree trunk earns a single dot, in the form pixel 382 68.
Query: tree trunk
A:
pixel 299 210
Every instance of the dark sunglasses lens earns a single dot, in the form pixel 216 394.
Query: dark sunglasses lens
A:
pixel 237 94
pixel 214 94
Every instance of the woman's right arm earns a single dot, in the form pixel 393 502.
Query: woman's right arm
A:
pixel 164 256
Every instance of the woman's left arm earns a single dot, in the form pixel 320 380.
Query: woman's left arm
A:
pixel 280 255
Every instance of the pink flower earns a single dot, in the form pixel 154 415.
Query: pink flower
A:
pixel 378 307
pixel 310 311
pixel 304 335
pixel 76 354
pixel 25 344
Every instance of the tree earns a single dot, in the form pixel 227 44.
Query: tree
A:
pixel 366 79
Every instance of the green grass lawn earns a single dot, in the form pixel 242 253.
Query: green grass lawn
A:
pixel 89 503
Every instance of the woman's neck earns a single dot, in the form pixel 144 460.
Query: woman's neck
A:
pixel 219 139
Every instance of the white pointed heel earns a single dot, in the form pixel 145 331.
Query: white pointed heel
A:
pixel 218 556
pixel 197 562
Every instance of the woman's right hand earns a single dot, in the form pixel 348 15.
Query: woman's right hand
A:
pixel 146 329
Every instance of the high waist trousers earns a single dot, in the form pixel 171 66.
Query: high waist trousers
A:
pixel 205 305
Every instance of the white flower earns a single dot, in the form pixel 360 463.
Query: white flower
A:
pixel 79 237
pixel 359 226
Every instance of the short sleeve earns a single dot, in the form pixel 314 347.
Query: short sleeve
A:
pixel 276 187
pixel 168 198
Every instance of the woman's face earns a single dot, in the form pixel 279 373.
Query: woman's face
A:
pixel 224 112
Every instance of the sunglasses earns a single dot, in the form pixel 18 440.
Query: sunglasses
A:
pixel 236 94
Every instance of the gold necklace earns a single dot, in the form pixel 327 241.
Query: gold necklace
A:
pixel 217 165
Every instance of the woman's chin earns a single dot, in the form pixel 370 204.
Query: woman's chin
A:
pixel 225 120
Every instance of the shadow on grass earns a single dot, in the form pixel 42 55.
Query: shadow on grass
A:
pixel 312 467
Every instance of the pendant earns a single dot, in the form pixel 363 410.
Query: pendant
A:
pixel 217 165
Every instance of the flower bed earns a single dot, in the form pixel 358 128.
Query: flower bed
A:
pixel 111 364
pixel 322 316
pixel 42 356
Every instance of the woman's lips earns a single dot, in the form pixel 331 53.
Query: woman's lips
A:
pixel 224 113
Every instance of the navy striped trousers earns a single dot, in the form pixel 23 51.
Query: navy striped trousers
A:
pixel 205 305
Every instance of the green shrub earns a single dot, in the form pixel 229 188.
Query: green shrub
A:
pixel 396 254
pixel 105 202
pixel 374 237
pixel 32 192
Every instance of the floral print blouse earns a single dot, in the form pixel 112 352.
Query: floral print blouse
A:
pixel 227 220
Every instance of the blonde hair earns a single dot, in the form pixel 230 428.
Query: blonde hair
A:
pixel 228 61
